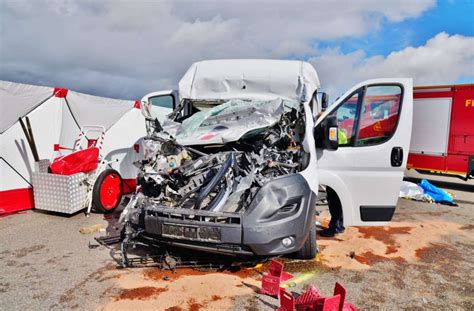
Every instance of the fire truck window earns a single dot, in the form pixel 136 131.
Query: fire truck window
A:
pixel 346 115
pixel 379 114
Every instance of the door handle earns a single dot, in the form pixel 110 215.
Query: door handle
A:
pixel 396 158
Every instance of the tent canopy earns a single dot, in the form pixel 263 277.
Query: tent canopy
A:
pixel 17 100
pixel 95 110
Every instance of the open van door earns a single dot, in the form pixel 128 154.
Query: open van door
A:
pixel 365 167
pixel 159 104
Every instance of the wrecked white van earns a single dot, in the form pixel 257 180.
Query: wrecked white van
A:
pixel 235 166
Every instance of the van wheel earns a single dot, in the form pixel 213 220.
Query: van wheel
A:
pixel 107 192
pixel 309 249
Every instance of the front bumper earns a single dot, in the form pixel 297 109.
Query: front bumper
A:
pixel 281 209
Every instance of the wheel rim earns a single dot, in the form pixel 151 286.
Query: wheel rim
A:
pixel 110 191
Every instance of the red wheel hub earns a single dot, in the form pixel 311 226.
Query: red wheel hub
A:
pixel 110 191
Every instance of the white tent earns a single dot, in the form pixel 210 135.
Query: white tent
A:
pixel 56 116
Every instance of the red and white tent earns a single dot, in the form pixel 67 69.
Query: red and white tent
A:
pixel 56 116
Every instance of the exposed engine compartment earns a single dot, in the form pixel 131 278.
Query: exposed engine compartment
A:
pixel 222 177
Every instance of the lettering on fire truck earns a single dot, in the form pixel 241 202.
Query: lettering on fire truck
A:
pixel 469 102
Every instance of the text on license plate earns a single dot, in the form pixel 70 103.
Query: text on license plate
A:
pixel 191 232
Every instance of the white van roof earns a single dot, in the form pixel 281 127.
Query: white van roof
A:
pixel 254 79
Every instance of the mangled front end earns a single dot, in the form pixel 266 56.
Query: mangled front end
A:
pixel 236 190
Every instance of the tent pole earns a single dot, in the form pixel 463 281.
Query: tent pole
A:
pixel 29 138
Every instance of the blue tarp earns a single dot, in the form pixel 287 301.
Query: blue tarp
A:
pixel 438 195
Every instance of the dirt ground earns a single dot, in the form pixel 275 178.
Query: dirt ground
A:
pixel 423 260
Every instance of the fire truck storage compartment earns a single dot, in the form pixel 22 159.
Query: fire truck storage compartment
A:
pixel 430 132
pixel 443 129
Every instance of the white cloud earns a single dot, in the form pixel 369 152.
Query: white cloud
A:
pixel 442 60
pixel 127 48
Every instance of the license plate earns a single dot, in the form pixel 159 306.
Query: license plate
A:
pixel 191 232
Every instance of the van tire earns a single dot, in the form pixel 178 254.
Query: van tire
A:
pixel 309 249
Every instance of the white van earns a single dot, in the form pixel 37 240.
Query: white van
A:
pixel 234 158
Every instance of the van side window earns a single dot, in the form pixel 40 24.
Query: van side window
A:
pixel 346 117
pixel 165 101
pixel 379 114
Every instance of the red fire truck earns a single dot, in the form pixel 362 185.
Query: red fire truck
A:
pixel 443 130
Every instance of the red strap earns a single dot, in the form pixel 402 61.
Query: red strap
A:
pixel 57 147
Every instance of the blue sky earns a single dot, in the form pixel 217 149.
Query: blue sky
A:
pixel 452 17
pixel 125 49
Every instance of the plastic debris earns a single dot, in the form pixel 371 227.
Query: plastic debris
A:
pixel 312 300
pixel 287 301
pixel 170 262
pixel 307 300
pixel 271 281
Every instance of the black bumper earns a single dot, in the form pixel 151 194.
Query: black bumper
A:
pixel 283 208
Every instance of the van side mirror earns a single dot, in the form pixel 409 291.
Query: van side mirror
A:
pixel 331 139
pixel 324 101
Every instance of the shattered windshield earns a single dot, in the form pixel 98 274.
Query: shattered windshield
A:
pixel 232 119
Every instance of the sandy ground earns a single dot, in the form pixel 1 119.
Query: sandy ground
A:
pixel 423 260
